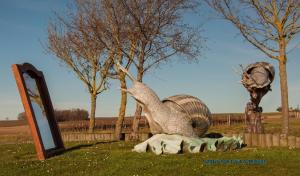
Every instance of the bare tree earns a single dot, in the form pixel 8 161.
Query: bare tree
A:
pixel 160 35
pixel 72 40
pixel 269 25
pixel 144 33
pixel 114 30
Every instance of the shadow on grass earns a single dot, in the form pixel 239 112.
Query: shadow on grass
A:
pixel 81 146
pixel 213 135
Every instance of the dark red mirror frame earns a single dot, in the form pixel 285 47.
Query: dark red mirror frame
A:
pixel 42 153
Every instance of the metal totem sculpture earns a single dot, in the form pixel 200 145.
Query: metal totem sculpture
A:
pixel 257 79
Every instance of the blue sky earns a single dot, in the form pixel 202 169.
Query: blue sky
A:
pixel 23 25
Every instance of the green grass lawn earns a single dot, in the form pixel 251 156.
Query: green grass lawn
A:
pixel 117 159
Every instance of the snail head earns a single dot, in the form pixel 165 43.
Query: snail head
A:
pixel 139 91
pixel 142 93
pixel 120 67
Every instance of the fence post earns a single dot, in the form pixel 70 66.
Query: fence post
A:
pixel 69 137
pixel 283 141
pixel 269 142
pixel 112 137
pixel 262 140
pixel 297 142
pixel 248 139
pixel 127 136
pixel 229 120
pixel 292 142
pixel 242 135
pixel 254 139
pixel 88 137
pixel 64 137
pixel 276 138
pixel 98 137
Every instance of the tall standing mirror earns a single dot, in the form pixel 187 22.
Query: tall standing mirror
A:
pixel 39 110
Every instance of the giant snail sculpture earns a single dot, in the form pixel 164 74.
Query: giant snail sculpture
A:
pixel 178 122
pixel 179 114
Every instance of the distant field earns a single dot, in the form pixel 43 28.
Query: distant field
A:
pixel 11 123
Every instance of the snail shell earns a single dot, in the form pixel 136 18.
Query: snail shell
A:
pixel 196 112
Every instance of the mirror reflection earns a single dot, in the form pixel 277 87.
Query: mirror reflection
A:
pixel 39 112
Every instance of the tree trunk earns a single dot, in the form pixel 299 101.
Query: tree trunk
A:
pixel 122 109
pixel 92 113
pixel 137 114
pixel 283 85
pixel 136 121
pixel 284 97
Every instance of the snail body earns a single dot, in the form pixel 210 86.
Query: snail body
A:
pixel 180 114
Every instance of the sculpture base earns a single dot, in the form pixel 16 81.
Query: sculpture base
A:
pixel 253 119
pixel 174 144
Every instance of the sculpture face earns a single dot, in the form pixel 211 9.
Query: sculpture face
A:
pixel 258 75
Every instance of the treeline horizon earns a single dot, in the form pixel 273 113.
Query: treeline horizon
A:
pixel 74 114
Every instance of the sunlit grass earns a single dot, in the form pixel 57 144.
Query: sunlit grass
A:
pixel 118 159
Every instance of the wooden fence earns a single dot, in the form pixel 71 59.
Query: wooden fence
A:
pixel 228 121
pixel 268 140
pixel 69 137
pixel 252 140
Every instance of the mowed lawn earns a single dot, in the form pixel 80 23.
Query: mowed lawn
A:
pixel 116 158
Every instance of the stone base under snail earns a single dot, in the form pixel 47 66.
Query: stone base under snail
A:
pixel 174 144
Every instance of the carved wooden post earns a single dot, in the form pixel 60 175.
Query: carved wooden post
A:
pixel 253 119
